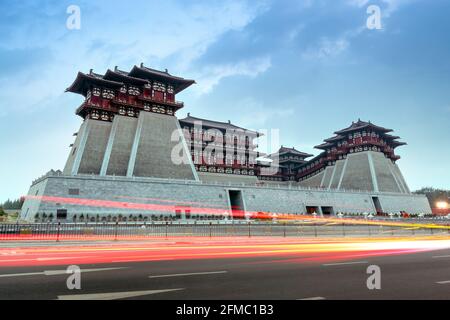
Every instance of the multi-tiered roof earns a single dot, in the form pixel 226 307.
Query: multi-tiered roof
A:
pixel 286 161
pixel 127 93
pixel 220 147
pixel 358 137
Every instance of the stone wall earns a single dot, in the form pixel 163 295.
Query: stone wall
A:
pixel 385 178
pixel 370 171
pixel 94 150
pixel 313 182
pixel 357 174
pixel 69 167
pixel 131 147
pixel 116 195
pixel 227 178
pixel 155 147
pixel 338 167
pixel 122 141
pixel 327 177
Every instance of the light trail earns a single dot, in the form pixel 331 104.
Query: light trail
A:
pixel 236 214
pixel 177 249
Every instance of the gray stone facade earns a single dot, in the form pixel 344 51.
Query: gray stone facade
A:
pixel 125 168
pixel 130 147
pixel 97 195
pixel 368 170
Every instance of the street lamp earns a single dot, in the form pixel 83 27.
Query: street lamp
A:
pixel 442 205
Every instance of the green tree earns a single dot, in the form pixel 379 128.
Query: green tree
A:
pixel 13 204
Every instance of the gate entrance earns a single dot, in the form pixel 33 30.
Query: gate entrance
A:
pixel 311 210
pixel 237 204
pixel 328 211
pixel 377 205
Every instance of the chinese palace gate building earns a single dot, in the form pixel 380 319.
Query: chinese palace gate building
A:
pixel 132 157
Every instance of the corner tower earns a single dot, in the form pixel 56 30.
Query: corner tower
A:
pixel 130 126
pixel 359 157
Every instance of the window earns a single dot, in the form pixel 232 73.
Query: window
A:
pixel 61 214
pixel 74 192
pixel 108 94
pixel 95 115
pixel 96 92
pixel 158 86
pixel 105 116
pixel 134 91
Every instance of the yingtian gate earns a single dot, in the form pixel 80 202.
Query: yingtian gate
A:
pixel 132 158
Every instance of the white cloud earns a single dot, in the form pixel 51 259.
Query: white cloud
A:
pixel 210 76
pixel 326 49
pixel 358 3
pixel 117 33
pixel 389 6
pixel 257 115
pixel 392 6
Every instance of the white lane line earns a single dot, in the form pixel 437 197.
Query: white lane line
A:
pixel 12 275
pixel 344 263
pixel 443 282
pixel 440 257
pixel 312 299
pixel 59 272
pixel 187 274
pixel 55 272
pixel 114 295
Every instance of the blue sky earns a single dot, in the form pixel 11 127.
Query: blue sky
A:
pixel 306 67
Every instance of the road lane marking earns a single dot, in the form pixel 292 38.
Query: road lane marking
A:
pixel 344 263
pixel 443 282
pixel 187 274
pixel 115 295
pixel 312 299
pixel 55 272
pixel 12 275
pixel 439 257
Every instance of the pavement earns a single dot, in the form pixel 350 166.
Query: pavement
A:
pixel 255 269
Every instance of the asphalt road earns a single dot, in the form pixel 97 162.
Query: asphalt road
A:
pixel 420 275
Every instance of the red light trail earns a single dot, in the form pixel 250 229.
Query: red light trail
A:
pixel 197 248
pixel 238 214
